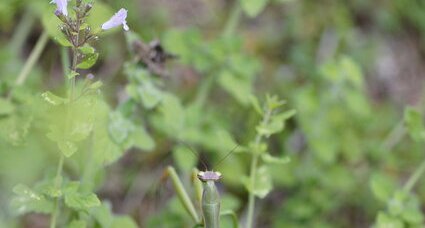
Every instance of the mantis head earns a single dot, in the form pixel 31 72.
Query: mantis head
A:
pixel 209 176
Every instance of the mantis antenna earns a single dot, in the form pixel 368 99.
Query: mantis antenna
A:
pixel 227 155
pixel 194 153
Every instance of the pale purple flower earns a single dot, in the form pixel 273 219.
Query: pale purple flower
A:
pixel 117 20
pixel 62 6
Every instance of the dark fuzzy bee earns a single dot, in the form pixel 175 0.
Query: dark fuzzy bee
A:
pixel 153 55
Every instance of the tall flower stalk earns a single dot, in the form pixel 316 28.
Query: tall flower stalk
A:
pixel 78 34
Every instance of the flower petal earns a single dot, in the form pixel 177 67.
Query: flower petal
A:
pixel 118 19
pixel 61 6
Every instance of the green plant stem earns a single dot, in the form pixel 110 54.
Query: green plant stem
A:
pixel 204 90
pixel 253 170
pixel 73 69
pixel 233 21
pixel 58 179
pixel 415 177
pixel 22 30
pixel 65 63
pixel 182 194
pixel 394 137
pixel 58 183
pixel 32 59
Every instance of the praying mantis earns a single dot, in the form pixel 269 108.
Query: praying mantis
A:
pixel 210 197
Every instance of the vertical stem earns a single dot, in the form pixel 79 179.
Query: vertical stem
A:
pixel 233 20
pixel 58 179
pixel 251 197
pixel 32 59
pixel 253 170
pixel 73 69
pixel 414 178
pixel 58 183
pixel 65 61
pixel 22 31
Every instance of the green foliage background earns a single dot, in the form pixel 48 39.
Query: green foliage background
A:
pixel 350 69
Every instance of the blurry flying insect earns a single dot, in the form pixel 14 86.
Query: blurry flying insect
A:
pixel 153 55
pixel 210 200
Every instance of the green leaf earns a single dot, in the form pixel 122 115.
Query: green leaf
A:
pixel 123 222
pixel 105 218
pixel 414 123
pixel 239 88
pixel 87 49
pixel 276 124
pixel 67 148
pixel 396 205
pixel 119 127
pixel 385 220
pixel 77 224
pixel 139 138
pixel 256 104
pixel 88 61
pixel 105 149
pixel 51 24
pixel 27 200
pixel 413 215
pixel 6 107
pixel 81 201
pixel 96 85
pixel 50 189
pixel 273 102
pixel 150 95
pixel 53 99
pixel 382 187
pixel 71 187
pixel 68 132
pixel 352 71
pixel 263 182
pixel 253 7
pixel 72 74
pixel 172 114
pixel 267 158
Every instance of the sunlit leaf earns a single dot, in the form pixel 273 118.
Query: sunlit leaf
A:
pixel 72 74
pixel 382 187
pixel 86 49
pixel 414 123
pixel 239 88
pixel 139 138
pixel 6 107
pixel 88 61
pixel 263 182
pixel 53 99
pixel 81 201
pixel 267 158
pixel 27 200
pixel 119 127
pixel 256 104
pixel 77 224
pixel 150 95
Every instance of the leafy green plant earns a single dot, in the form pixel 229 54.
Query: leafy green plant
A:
pixel 402 204
pixel 77 124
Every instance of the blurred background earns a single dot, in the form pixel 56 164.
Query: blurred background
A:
pixel 349 69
